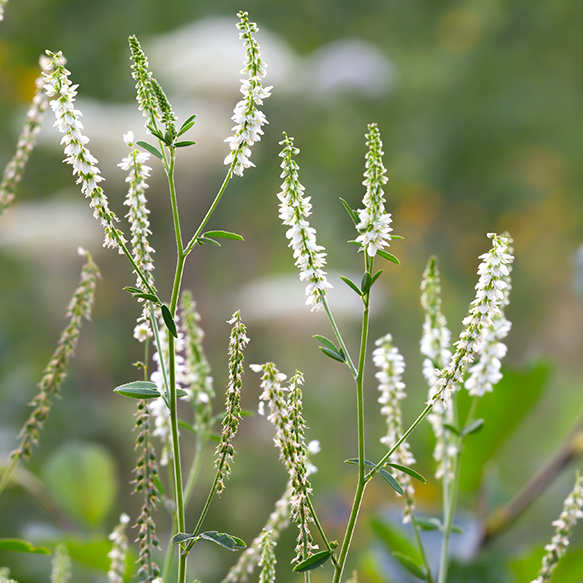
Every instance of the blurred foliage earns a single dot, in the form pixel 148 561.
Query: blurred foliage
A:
pixel 479 125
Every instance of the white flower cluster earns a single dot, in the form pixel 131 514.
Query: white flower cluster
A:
pixel 572 512
pixel 138 173
pixel 248 119
pixel 61 565
pixel 59 88
pixel 26 141
pixel 118 551
pixel 293 210
pixel 2 4
pixel 392 366
pixel 435 343
pixel 374 224
pixel 158 407
pixel 493 272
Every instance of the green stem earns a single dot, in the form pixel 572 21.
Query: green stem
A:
pixel 8 472
pixel 429 578
pixel 195 468
pixel 339 337
pixel 321 530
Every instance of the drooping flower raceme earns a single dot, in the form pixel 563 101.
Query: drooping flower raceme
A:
pixel 374 225
pixel 138 173
pixel 59 88
pixel 486 372
pixel 293 210
pixel 489 295
pixel 248 119
pixel 26 141
pixel 572 512
pixel 435 343
pixel 392 365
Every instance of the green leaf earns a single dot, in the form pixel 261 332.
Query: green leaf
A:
pixel 225 540
pixel 428 523
pixel 186 125
pixel 223 235
pixel 365 282
pixel 473 427
pixel 351 285
pixel 354 462
pixel 312 562
pixel 82 478
pixel 457 529
pixel 186 425
pixel 169 320
pixel 152 149
pixel 202 240
pixel 149 297
pixel 389 478
pixel 133 290
pixel 181 393
pixel 388 256
pixel 139 390
pixel 409 471
pixel 417 569
pixel 395 538
pixel 92 553
pixel 452 428
pixel 352 213
pixel 155 132
pixel 376 276
pixel 184 144
pixel 21 546
pixel 397 237
pixel 182 537
pixel 333 354
pixel 327 343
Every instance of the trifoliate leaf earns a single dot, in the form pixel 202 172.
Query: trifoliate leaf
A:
pixel 389 478
pixel 169 320
pixel 150 148
pixel 388 256
pixel 223 235
pixel 409 471
pixel 417 569
pixel 312 562
pixel 225 540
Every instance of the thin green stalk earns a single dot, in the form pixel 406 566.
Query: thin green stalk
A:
pixel 429 578
pixel 321 530
pixel 195 468
pixel 339 337
pixel 8 472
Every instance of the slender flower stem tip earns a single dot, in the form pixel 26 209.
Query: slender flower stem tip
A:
pixel 493 272
pixel 293 210
pixel 62 92
pixel 374 225
pixel 248 119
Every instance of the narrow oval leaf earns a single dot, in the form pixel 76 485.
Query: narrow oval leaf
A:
pixel 138 393
pixel 150 148
pixel 312 562
pixel 201 240
pixel 365 282
pixel 155 132
pixel 182 393
pixel 352 213
pixel 391 481
pixel 169 320
pixel 133 290
pixel 388 256
pixel 428 523
pixel 22 546
pixel 333 354
pixel 184 144
pixel 181 537
pixel 187 125
pixel 223 235
pixel 417 569
pixel 409 471
pixel 354 462
pixel 457 529
pixel 396 237
pixel 327 343
pixel 351 285
pixel 376 276
pixel 186 425
pixel 452 428
pixel 149 297
pixel 138 385
pixel 473 427
pixel 223 539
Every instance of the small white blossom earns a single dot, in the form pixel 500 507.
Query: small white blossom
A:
pixel 293 210
pixel 248 119
pixel 489 297
pixel 119 551
pixel 392 366
pixel 374 225
pixel 572 512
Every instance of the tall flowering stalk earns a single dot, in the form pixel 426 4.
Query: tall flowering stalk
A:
pixel 248 119
pixel 374 225
pixel 225 450
pixel 392 365
pixel 293 210
pixel 54 374
pixel 62 92
pixel 489 297
pixel 572 512
pixel 26 142
pixel 267 559
pixel 435 343
pixel 61 565
pixel 119 550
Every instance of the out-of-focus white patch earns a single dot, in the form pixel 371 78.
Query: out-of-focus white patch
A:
pixel 283 296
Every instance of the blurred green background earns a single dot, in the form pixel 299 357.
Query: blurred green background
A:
pixel 479 107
